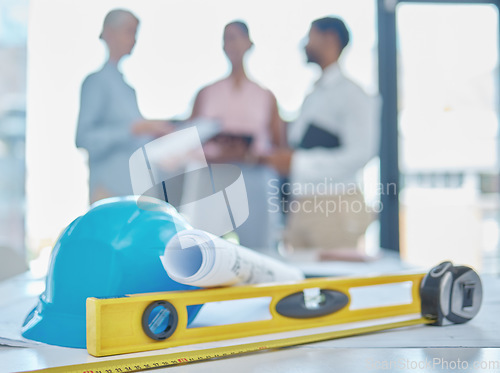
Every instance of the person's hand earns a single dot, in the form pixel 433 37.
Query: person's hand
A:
pixel 280 160
pixel 155 128
pixel 223 149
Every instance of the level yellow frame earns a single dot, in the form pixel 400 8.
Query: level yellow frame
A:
pixel 114 326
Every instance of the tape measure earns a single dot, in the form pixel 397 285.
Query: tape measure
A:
pixel 172 359
pixel 447 294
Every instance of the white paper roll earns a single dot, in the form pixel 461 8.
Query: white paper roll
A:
pixel 194 257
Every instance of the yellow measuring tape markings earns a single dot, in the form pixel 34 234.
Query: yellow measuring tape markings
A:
pixel 171 359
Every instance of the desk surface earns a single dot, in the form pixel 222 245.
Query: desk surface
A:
pixel 419 348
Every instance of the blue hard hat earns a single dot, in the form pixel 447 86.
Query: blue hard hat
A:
pixel 111 251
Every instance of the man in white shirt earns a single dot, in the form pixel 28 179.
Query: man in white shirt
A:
pixel 333 138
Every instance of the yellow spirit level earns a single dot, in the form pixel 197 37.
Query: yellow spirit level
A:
pixel 142 322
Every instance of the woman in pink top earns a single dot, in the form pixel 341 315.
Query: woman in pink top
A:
pixel 251 128
pixel 244 109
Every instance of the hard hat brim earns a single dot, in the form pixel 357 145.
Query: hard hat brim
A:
pixel 55 328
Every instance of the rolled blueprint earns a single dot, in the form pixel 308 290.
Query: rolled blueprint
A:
pixel 198 258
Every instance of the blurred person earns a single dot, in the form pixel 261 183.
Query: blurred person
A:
pixel 243 107
pixel 110 125
pixel 250 128
pixel 334 136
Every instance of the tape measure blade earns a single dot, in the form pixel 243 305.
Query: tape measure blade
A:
pixel 165 360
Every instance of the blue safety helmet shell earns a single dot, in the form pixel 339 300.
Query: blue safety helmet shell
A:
pixel 112 250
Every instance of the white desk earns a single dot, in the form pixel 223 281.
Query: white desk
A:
pixel 418 349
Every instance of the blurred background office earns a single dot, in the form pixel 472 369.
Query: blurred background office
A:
pixel 435 65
